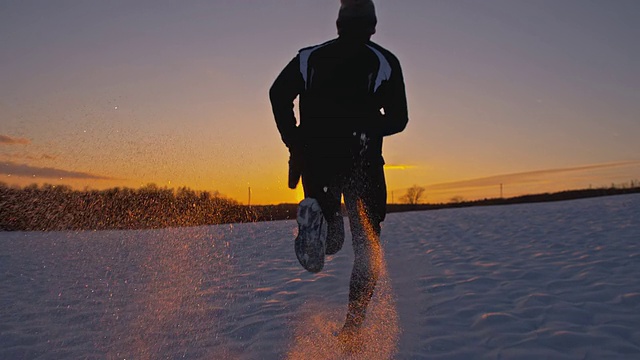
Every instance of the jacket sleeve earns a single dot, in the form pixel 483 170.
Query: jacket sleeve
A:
pixel 394 101
pixel 287 86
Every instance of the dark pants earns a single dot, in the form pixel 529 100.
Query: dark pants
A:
pixel 365 195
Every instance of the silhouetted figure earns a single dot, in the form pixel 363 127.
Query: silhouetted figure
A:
pixel 351 95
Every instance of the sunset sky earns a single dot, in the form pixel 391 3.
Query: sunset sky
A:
pixel 537 95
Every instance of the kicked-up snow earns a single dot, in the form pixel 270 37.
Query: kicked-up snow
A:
pixel 535 281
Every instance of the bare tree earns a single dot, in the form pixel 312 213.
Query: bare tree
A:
pixel 414 195
pixel 456 200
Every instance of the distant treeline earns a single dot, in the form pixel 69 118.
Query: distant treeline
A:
pixel 524 199
pixel 288 211
pixel 52 207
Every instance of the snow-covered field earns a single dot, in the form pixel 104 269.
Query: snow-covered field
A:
pixel 537 281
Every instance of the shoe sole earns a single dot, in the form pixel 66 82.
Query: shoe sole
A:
pixel 310 244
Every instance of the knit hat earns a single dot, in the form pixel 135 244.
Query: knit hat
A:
pixel 357 16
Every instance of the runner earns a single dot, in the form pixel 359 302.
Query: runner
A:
pixel 351 95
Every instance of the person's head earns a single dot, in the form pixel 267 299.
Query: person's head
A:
pixel 356 18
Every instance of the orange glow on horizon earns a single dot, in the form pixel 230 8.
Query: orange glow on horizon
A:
pixel 269 186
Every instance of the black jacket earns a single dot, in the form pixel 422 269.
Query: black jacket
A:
pixel 343 86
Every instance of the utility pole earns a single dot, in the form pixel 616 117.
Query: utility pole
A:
pixel 249 202
pixel 501 191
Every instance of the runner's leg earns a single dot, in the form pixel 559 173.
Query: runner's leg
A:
pixel 324 183
pixel 365 198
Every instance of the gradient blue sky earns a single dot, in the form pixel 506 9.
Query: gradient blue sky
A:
pixel 540 95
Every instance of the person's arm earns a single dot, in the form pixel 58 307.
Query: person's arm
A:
pixel 283 92
pixel 394 101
